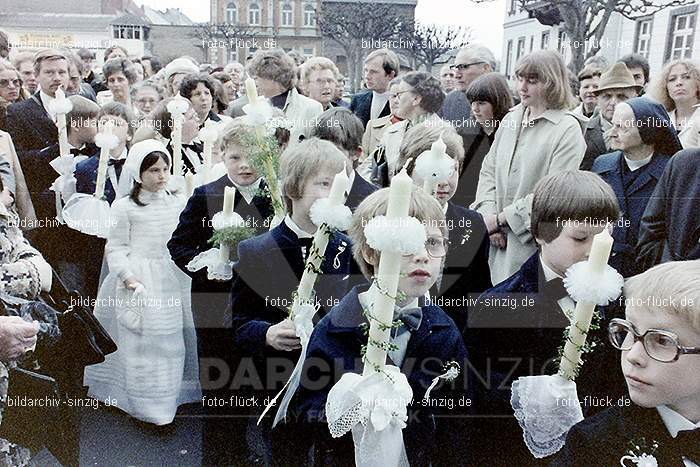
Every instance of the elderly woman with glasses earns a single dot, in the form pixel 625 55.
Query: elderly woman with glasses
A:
pixel 419 97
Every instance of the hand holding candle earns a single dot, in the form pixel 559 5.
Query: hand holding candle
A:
pixel 583 314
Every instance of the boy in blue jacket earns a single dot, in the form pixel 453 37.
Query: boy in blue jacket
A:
pixel 426 340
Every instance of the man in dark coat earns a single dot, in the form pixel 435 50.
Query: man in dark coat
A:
pixel 381 66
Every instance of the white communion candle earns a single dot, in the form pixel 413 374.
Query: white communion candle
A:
pixel 63 146
pixel 177 144
pixel 102 166
pixel 321 238
pixel 189 184
pixel 583 314
pixel 387 277
pixel 224 252
pixel 251 91
pixel 229 193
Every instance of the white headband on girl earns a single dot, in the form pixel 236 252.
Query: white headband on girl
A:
pixel 138 153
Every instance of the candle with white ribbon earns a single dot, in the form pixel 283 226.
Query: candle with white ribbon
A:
pixel 229 193
pixel 434 166
pixel 208 134
pixel 387 277
pixel 104 141
pixel 583 314
pixel 177 108
pixel 321 238
pixel 62 106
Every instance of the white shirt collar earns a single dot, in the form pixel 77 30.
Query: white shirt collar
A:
pixel 351 179
pixel 296 229
pixel 635 165
pixel 674 421
pixel 565 303
pixel 121 156
pixel 364 299
pixel 248 192
pixel 45 99
pixel 444 208
pixel 549 273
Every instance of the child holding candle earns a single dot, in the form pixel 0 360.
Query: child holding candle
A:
pixel 144 301
pixel 270 266
pixel 517 327
pixel 191 237
pixel 426 340
pixel 661 371
pixel 466 273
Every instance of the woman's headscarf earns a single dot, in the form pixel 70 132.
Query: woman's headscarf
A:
pixel 654 125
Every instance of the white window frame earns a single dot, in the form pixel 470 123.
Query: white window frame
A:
pixel 643 37
pixel 685 34
pixel 520 48
pixel 544 40
pixel 509 57
pixel 254 14
pixel 309 16
pixel 231 13
pixel 287 14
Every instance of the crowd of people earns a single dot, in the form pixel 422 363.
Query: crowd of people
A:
pixel 542 164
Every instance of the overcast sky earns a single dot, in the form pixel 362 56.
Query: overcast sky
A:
pixel 486 19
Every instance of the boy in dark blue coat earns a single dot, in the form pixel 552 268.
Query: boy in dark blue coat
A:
pixel 518 326
pixel 426 340
pixel 210 297
pixel 645 140
pixel 466 273
pixel 660 361
pixel 268 271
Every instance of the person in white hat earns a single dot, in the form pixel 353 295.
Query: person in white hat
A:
pixel 143 302
pixel 175 72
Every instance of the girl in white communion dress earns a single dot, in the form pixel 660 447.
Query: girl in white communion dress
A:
pixel 144 302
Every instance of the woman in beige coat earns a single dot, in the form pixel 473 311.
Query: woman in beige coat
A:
pixel 537 137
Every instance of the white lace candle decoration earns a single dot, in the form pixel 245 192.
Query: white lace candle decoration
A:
pixel 328 214
pixel 434 166
pixel 547 406
pixel 60 106
pixel 106 141
pixel 177 108
pixel 208 135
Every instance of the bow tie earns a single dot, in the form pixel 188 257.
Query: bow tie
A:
pixel 554 289
pixel 116 162
pixel 411 318
pixel 84 151
pixel 193 146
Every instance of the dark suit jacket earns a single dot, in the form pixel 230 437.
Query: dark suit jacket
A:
pixel 632 205
pixel 595 144
pixel 335 348
pixel 670 227
pixel 476 145
pixel 361 105
pixel 359 190
pixel 86 178
pixel 31 128
pixel 456 109
pixel 605 438
pixel 516 330
pixel 267 272
pixel 191 237
pixel 466 272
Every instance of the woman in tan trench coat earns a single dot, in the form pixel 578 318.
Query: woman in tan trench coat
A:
pixel 537 137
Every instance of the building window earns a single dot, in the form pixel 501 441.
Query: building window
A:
pixel 681 36
pixel 254 14
pixel 509 58
pixel 561 42
pixel 126 32
pixel 231 13
pixel 643 37
pixel 308 52
pixel 520 51
pixel 232 55
pixel 544 43
pixel 513 6
pixel 309 15
pixel 532 42
pixel 287 15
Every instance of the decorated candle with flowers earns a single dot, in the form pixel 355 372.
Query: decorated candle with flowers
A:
pixel 434 166
pixel 177 108
pixel 106 141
